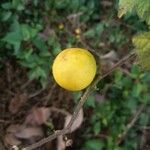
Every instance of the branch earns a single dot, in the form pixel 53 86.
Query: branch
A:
pixel 83 98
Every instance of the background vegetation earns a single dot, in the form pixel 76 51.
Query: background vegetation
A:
pixel 33 32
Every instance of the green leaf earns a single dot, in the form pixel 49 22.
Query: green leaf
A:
pixel 95 31
pixel 18 4
pixel 131 103
pixel 93 145
pixel 41 72
pixel 14 37
pixel 56 48
pixel 76 96
pixel 43 82
pixel 146 98
pixel 40 44
pixel 97 127
pixel 141 7
pixel 143 10
pixel 137 89
pixel 27 54
pixel 135 71
pixel 7 5
pixel 32 74
pixel 125 6
pixel 110 143
pixel 144 119
pixel 142 45
pixel 37 73
pixel 6 15
pixel 15 34
pixel 25 32
pixel 90 102
pixel 28 32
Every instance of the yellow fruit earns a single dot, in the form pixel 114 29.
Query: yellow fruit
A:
pixel 74 69
pixel 78 31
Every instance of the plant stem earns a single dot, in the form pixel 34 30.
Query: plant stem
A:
pixel 82 100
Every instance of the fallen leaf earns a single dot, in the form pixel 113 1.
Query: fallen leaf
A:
pixel 24 132
pixel 29 132
pixel 77 123
pixel 10 139
pixel 13 128
pixel 17 102
pixel 61 145
pixel 112 56
pixel 38 116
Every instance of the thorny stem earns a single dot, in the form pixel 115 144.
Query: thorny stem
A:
pixel 79 105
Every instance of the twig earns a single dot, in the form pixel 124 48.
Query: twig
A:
pixel 79 105
pixel 145 127
pixel 4 121
pixel 47 98
pixel 131 124
pixel 143 139
pixel 45 140
pixel 36 93
pixel 8 70
pixel 26 84
pixel 75 15
pixel 83 42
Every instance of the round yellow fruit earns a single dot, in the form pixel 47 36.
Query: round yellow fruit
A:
pixel 74 69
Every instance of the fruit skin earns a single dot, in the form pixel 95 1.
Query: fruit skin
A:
pixel 74 69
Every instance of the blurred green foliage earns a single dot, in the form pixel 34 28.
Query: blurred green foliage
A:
pixel 141 42
pixel 114 105
pixel 142 45
pixel 34 32
pixel 141 8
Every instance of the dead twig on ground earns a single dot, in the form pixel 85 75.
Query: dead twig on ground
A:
pixel 131 124
pixel 47 98
pixel 26 84
pixel 145 127
pixel 36 93
pixel 143 139
pixel 4 121
pixel 79 105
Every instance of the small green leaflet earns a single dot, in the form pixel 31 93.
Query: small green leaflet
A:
pixel 142 46
pixel 125 6
pixel 18 33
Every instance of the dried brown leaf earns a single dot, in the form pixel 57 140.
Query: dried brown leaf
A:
pixel 77 123
pixel 24 132
pixel 30 132
pixel 10 139
pixel 13 128
pixel 61 145
pixel 38 116
pixel 112 56
pixel 17 102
